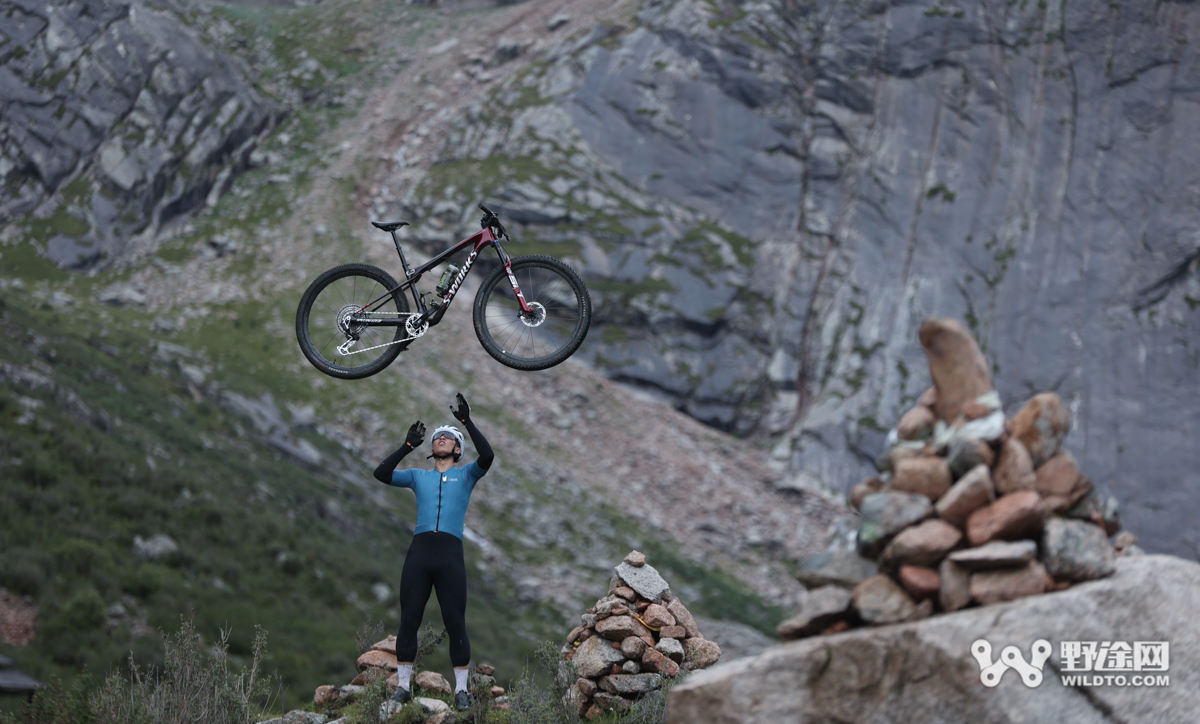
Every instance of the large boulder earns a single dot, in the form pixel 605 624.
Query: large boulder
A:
pixel 925 671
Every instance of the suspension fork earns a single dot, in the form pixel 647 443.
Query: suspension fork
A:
pixel 506 262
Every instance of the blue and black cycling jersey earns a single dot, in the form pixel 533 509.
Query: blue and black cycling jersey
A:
pixel 442 498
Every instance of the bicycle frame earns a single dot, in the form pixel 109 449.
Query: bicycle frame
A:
pixel 434 313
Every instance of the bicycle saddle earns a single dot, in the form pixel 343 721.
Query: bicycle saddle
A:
pixel 388 225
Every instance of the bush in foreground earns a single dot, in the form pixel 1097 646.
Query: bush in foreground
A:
pixel 196 684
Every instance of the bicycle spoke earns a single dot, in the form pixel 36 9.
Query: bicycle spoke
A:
pixel 349 294
pixel 325 346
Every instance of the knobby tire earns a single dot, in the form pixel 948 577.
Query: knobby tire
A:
pixel 316 325
pixel 543 280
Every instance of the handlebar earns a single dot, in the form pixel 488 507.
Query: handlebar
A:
pixel 490 220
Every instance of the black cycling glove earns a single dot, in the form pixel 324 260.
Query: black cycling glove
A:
pixel 416 435
pixel 463 413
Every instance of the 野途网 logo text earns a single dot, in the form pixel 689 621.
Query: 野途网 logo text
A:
pixel 1083 663
pixel 1115 663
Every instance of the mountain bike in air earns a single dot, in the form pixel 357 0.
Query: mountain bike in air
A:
pixel 530 313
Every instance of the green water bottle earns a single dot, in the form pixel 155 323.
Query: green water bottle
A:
pixel 444 285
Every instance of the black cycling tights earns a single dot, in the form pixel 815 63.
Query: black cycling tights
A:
pixel 434 560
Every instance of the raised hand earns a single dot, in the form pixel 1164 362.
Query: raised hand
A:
pixel 463 413
pixel 416 435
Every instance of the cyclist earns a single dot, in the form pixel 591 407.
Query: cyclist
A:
pixel 435 557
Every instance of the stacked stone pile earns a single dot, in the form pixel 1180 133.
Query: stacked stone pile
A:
pixel 380 660
pixel 970 507
pixel 630 641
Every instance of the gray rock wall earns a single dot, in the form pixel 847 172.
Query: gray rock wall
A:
pixel 1026 172
pixel 767 200
pixel 114 117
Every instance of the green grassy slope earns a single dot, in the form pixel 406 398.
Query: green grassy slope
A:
pixel 102 439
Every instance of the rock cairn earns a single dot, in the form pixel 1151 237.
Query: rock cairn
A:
pixel 970 507
pixel 631 641
pixel 380 660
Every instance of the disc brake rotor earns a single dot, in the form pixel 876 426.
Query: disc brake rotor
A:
pixel 536 318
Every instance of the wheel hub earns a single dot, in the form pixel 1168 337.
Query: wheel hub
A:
pixel 351 329
pixel 536 316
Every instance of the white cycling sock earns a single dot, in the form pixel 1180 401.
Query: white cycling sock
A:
pixel 460 679
pixel 404 674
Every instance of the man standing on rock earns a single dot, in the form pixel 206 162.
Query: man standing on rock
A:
pixel 435 558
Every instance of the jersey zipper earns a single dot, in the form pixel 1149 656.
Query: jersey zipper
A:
pixel 438 523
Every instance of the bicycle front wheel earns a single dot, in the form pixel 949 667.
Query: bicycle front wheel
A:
pixel 562 312
pixel 334 326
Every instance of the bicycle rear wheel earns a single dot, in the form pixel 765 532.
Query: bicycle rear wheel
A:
pixel 326 320
pixel 558 325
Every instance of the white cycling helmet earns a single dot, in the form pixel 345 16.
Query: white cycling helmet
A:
pixel 453 432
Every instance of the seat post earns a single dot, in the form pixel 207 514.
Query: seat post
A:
pixel 403 261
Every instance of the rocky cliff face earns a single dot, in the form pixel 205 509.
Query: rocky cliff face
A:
pixel 932 671
pixel 768 198
pixel 115 118
pixel 765 198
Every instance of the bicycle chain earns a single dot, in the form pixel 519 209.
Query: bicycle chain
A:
pixel 407 328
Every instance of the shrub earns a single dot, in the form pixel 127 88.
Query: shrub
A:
pixel 142 580
pixel 370 632
pixel 366 708
pixel 82 612
pixel 427 641
pixel 195 684
pixel 80 557
pixel 22 572
pixel 535 703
